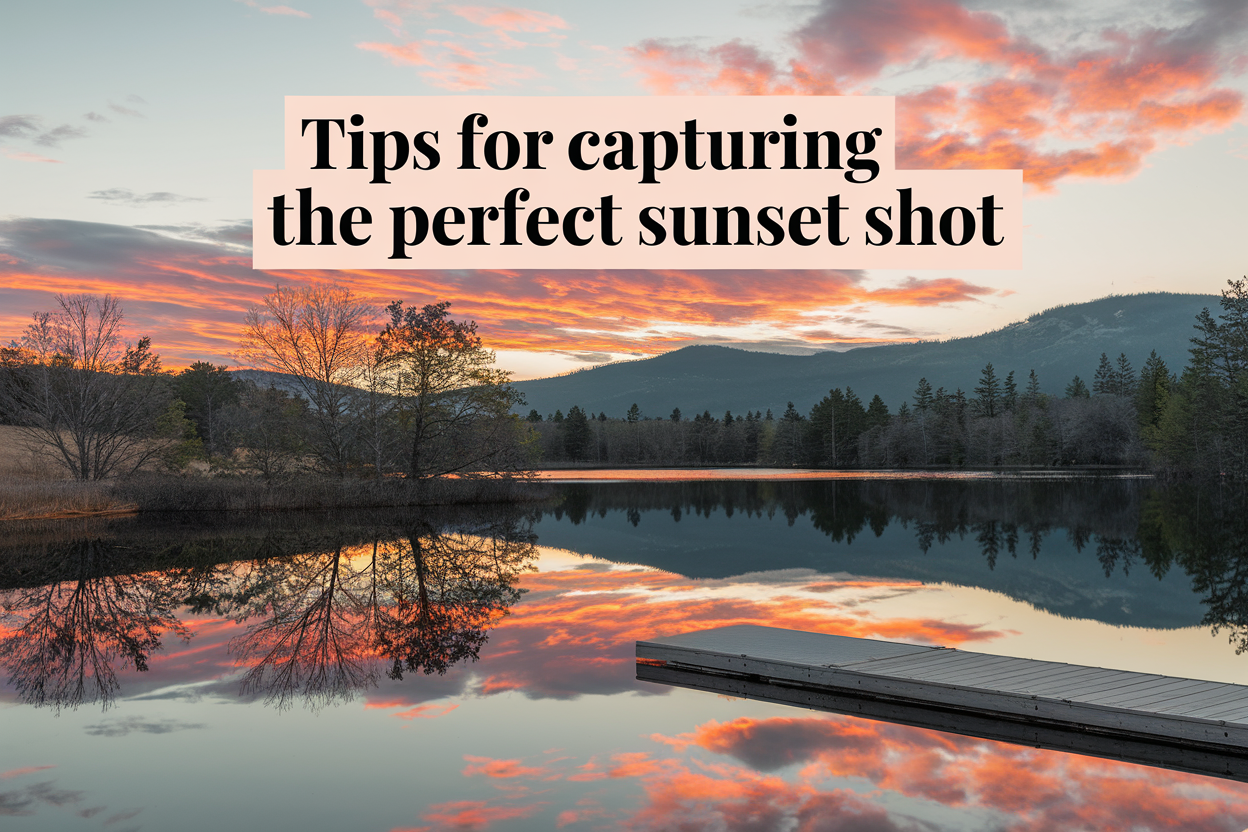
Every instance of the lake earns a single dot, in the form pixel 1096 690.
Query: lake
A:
pixel 472 669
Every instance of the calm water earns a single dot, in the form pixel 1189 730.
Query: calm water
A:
pixel 471 670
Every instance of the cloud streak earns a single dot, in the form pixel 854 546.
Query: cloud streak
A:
pixel 190 286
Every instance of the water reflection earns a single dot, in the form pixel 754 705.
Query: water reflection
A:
pixel 1123 551
pixel 72 635
pixel 326 609
pixel 320 608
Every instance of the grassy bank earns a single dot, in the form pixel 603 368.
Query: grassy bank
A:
pixel 54 500
pixel 34 487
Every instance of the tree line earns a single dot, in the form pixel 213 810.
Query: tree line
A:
pixel 1195 421
pixel 405 391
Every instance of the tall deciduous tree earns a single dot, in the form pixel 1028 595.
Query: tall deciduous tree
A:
pixel 320 336
pixel 73 388
pixel 452 404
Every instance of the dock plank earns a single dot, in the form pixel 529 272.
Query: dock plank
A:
pixel 1125 708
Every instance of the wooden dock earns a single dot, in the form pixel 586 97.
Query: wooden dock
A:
pixel 1184 724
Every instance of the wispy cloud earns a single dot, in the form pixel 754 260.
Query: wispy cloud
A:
pixel 284 11
pixel 463 61
pixel 21 772
pixel 134 725
pixel 121 109
pixel 126 196
pixel 32 128
pixel 27 156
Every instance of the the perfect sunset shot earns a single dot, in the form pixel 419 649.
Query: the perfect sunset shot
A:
pixel 819 416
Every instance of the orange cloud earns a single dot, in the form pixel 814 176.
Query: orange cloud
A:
pixel 191 295
pixel 471 815
pixel 790 772
pixel 1068 110
pixel 501 769
pixel 1041 790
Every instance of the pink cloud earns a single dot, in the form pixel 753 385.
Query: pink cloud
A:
pixel 24 156
pixel 18 772
pixel 1094 107
pixel 511 20
pixel 400 54
pixel 284 10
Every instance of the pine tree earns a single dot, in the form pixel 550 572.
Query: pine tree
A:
pixel 1103 383
pixel 1077 389
pixel 988 393
pixel 577 434
pixel 877 412
pixel 1152 395
pixel 1124 376
pixel 1033 387
pixel 634 413
pixel 1010 398
pixel 675 417
pixel 923 395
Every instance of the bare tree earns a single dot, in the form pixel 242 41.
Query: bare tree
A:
pixel 319 335
pixel 73 388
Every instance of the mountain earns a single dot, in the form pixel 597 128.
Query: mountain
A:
pixel 1058 344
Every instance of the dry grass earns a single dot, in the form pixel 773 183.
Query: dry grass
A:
pixel 20 461
pixel 54 500
pixel 34 487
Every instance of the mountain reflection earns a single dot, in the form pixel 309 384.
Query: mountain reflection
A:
pixel 415 593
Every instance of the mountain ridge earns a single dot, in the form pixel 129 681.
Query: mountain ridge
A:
pixel 1058 343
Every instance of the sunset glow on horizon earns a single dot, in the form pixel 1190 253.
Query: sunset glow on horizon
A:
pixel 1128 121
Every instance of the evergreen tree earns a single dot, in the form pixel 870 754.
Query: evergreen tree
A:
pixel 1010 398
pixel 1077 389
pixel 1104 383
pixel 788 447
pixel 577 434
pixel 1152 395
pixel 634 413
pixel 988 393
pixel 877 412
pixel 533 416
pixel 675 417
pixel 923 395
pixel 207 390
pixel 1124 376
pixel 1033 387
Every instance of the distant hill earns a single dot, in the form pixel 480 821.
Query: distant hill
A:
pixel 1058 344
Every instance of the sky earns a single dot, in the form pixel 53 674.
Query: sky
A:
pixel 128 140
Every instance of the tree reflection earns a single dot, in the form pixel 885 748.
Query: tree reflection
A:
pixel 415 595
pixel 322 624
pixel 1203 530
pixel 72 635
